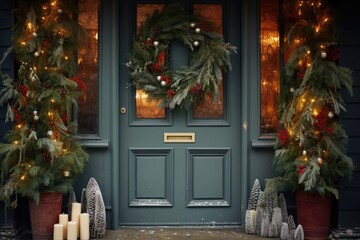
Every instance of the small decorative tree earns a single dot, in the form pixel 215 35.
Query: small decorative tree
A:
pixel 310 148
pixel 43 154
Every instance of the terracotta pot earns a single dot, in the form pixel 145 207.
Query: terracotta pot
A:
pixel 314 213
pixel 44 215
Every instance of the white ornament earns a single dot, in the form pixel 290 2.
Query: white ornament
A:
pixel 36 54
pixel 304 152
pixel 320 160
pixel 192 25
pixel 196 43
pixel 34 34
pixel 35 113
pixel 292 89
pixel 330 114
pixel 197 30
pixel 323 54
pixel 158 78
pixel 36 117
pixel 156 43
pixel 163 83
pixel 33 79
pixel 66 173
pixel 59 11
pixel 50 133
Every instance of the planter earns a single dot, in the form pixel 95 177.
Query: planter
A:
pixel 314 213
pixel 44 215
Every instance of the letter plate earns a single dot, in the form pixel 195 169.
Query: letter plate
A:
pixel 179 137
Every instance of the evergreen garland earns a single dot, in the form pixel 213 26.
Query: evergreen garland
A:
pixel 43 154
pixel 310 151
pixel 148 65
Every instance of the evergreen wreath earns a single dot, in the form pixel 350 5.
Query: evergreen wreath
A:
pixel 149 69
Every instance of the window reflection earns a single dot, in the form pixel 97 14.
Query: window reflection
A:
pixel 270 65
pixel 211 21
pixel 144 107
pixel 88 67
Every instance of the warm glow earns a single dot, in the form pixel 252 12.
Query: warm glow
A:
pixel 16 142
pixel 50 114
pixel 66 57
pixel 52 100
pixel 22 177
pixel 19 126
pixel 23 43
pixel 315 112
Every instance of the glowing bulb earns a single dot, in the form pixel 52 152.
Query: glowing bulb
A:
pixel 66 57
pixel 16 142
pixel 315 113
pixel 22 177
pixel 52 100
pixel 19 126
pixel 312 100
pixel 23 43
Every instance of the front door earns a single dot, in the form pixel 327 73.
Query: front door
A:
pixel 180 167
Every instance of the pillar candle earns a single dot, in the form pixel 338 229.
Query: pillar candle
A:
pixel 63 219
pixel 58 231
pixel 72 230
pixel 75 215
pixel 84 226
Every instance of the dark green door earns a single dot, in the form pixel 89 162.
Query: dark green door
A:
pixel 180 167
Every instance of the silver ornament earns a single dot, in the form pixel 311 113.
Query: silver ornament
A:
pixel 158 78
pixel 323 54
pixel 163 83
pixel 66 173
pixel 304 152
pixel 156 43
pixel 196 43
pixel 59 11
pixel 292 89
pixel 192 25
pixel 36 54
pixel 330 114
pixel 197 30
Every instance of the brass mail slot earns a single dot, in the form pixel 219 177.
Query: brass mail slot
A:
pixel 179 137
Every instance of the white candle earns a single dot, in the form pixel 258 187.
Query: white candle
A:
pixel 63 219
pixel 58 231
pixel 84 226
pixel 75 215
pixel 72 230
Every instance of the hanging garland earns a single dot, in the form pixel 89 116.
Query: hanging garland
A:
pixel 149 68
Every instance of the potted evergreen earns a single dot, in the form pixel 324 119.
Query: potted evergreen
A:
pixel 42 157
pixel 310 149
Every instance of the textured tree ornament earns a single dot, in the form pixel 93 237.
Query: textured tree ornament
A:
pixel 259 213
pixel 283 206
pixel 83 201
pixel 291 223
pixel 273 230
pixel 284 234
pixel 254 195
pixel 96 209
pixel 265 221
pixel 299 233
pixel 271 201
pixel 261 200
pixel 250 218
pixel 277 220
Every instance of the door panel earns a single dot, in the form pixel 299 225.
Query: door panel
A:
pixel 180 183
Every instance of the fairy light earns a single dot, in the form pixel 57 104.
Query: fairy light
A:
pixel 19 126
pixel 315 112
pixel 23 43
pixel 313 100
pixel 22 177
pixel 16 142
pixel 52 100
pixel 66 57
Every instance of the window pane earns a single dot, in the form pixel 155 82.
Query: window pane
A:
pixel 88 67
pixel 144 107
pixel 270 66
pixel 211 17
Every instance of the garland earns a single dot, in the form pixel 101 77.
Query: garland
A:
pixel 149 68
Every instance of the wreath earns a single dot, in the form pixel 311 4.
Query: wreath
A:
pixel 149 68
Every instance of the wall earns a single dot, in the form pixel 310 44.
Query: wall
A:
pixel 349 208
